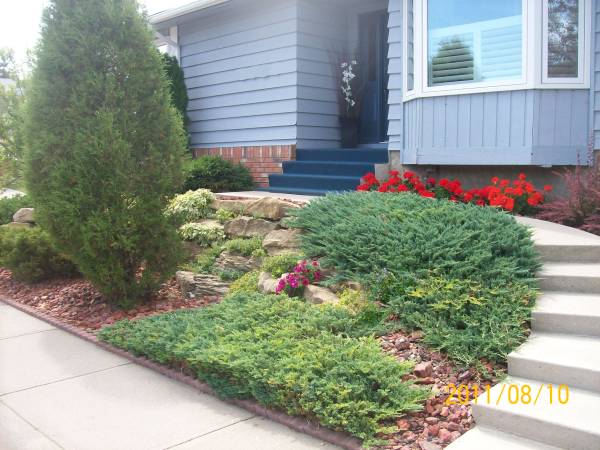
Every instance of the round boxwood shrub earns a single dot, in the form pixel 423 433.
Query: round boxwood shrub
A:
pixel 218 175
pixel 30 255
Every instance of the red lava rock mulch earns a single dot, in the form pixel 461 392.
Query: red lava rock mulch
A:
pixel 439 423
pixel 76 302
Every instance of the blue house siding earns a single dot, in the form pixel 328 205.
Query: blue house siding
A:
pixel 595 109
pixel 240 68
pixel 321 30
pixel 396 108
pixel 526 127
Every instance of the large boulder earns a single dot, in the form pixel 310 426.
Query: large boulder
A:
pixel 278 242
pixel 24 215
pixel 249 227
pixel 266 283
pixel 318 295
pixel 199 285
pixel 230 261
pixel 269 208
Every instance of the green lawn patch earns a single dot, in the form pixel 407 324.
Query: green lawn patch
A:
pixel 463 274
pixel 283 353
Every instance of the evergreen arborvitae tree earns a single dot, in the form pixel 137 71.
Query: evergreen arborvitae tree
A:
pixel 104 145
pixel 178 90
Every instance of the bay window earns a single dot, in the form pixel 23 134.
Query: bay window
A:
pixel 463 46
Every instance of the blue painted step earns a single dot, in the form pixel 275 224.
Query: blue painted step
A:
pixel 340 168
pixel 318 182
pixel 368 155
pixel 297 191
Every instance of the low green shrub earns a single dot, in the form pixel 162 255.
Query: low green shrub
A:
pixel 218 175
pixel 224 215
pixel 205 261
pixel 280 264
pixel 30 255
pixel 245 247
pixel 9 206
pixel 361 233
pixel 463 318
pixel 463 274
pixel 353 300
pixel 228 274
pixel 284 353
pixel 247 283
pixel 201 234
pixel 191 206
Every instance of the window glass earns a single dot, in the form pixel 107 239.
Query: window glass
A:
pixel 474 40
pixel 563 38
pixel 410 46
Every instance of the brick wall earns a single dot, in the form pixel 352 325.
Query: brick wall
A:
pixel 261 160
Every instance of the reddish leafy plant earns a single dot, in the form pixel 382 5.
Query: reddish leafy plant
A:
pixel 518 196
pixel 580 208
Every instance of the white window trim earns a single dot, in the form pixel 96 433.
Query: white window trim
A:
pixel 584 51
pixel 534 47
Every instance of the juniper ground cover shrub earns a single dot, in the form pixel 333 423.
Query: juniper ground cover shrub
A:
pixel 104 146
pixel 285 354
pixel 461 273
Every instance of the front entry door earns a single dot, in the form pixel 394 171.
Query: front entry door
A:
pixel 373 62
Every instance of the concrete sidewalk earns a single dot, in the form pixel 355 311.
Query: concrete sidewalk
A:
pixel 60 392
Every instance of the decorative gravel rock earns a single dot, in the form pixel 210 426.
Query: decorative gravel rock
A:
pixel 24 215
pixel 266 283
pixel 278 242
pixel 194 285
pixel 318 295
pixel 230 261
pixel 249 227
pixel 423 370
pixel 269 208
pixel 10 193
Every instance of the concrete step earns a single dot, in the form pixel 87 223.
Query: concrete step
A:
pixel 314 182
pixel 558 243
pixel 574 425
pixel 570 277
pixel 486 438
pixel 558 359
pixel 567 312
pixel 369 155
pixel 338 168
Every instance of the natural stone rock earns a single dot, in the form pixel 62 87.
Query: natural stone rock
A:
pixel 10 193
pixel 281 241
pixel 249 227
pixel 266 283
pixel 198 285
pixel 236 206
pixel 269 208
pixel 423 370
pixel 426 445
pixel 24 215
pixel 230 261
pixel 318 295
pixel 210 223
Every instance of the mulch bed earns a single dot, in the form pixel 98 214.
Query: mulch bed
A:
pixel 441 421
pixel 75 302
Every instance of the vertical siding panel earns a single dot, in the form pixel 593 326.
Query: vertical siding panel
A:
pixel 547 124
pixel 439 122
pixel 596 75
pixel 463 120
pixel 397 127
pixel 427 123
pixel 476 116
pixel 490 119
pixel 451 122
pixel 503 119
pixel 518 107
pixel 563 118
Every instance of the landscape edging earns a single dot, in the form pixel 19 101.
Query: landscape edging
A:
pixel 340 439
